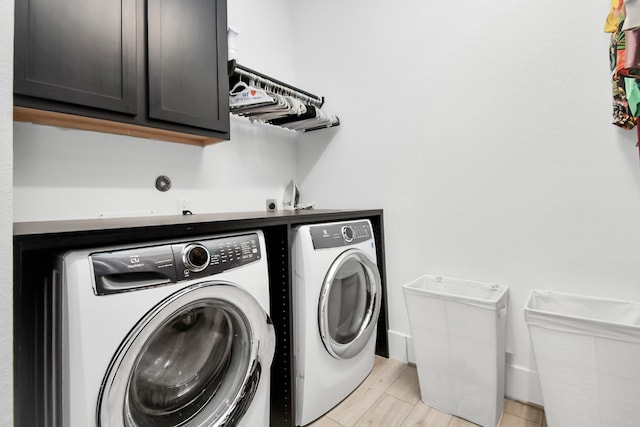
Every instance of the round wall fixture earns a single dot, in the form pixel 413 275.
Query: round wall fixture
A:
pixel 163 183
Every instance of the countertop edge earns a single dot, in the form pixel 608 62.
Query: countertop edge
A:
pixel 40 228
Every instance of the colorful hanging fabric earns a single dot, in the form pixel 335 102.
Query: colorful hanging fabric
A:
pixel 622 115
pixel 633 95
pixel 630 67
pixel 631 28
pixel 615 18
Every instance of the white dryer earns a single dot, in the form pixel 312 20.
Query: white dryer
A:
pixel 166 334
pixel 336 303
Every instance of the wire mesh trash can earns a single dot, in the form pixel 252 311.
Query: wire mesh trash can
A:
pixel 458 330
pixel 587 351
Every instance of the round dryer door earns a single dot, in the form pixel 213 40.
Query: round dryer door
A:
pixel 194 360
pixel 349 304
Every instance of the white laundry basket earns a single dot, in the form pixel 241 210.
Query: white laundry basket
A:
pixel 458 330
pixel 588 354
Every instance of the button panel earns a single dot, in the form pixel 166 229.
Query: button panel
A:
pixel 340 234
pixel 225 253
pixel 130 269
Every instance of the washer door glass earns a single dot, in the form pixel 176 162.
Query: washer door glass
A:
pixel 194 360
pixel 349 304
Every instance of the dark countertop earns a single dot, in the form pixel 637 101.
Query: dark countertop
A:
pixel 78 233
pixel 267 218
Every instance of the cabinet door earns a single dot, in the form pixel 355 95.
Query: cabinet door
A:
pixel 77 51
pixel 187 68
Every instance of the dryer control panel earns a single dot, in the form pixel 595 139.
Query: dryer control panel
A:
pixel 135 268
pixel 340 234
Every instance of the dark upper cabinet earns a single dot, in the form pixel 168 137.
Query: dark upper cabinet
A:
pixel 77 51
pixel 184 70
pixel 141 64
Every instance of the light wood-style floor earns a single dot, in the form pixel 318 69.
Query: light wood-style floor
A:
pixel 390 397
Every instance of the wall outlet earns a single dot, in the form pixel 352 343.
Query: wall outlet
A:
pixel 272 205
pixel 184 205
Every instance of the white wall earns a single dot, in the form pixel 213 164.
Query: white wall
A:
pixel 483 130
pixel 65 174
pixel 69 174
pixel 6 216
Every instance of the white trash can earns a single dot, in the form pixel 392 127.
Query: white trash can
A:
pixel 587 351
pixel 458 330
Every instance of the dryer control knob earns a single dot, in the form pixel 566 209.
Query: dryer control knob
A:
pixel 347 233
pixel 196 257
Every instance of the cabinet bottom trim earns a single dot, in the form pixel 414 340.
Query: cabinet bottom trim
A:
pixel 52 118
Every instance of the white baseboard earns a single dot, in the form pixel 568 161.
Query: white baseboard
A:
pixel 521 384
pixel 398 346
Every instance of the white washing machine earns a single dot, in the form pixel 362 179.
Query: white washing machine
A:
pixel 166 334
pixel 336 301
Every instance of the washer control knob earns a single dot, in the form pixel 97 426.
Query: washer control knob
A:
pixel 347 233
pixel 196 257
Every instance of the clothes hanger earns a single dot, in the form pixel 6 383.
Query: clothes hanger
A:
pixel 266 101
pixel 249 96
pixel 238 87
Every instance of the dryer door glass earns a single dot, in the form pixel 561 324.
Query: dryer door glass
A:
pixel 349 304
pixel 195 360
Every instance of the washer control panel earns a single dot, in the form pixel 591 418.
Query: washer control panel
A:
pixel 214 256
pixel 129 269
pixel 340 234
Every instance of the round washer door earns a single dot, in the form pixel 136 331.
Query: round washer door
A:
pixel 194 360
pixel 349 304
